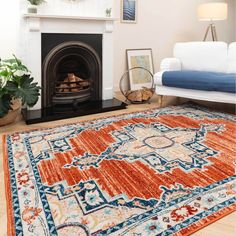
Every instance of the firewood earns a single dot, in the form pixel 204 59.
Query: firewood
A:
pixel 72 83
pixel 75 90
pixel 63 88
pixel 73 78
pixel 84 84
pixel 135 96
pixel 146 93
pixel 128 92
pixel 140 95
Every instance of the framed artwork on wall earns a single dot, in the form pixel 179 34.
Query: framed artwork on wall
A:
pixel 140 58
pixel 129 9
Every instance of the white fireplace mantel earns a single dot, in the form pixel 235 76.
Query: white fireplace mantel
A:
pixel 33 25
pixel 35 19
pixel 70 17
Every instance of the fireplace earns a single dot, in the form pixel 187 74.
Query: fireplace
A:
pixel 72 59
pixel 71 69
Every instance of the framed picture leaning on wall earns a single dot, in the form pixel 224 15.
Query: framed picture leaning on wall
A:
pixel 140 58
pixel 129 9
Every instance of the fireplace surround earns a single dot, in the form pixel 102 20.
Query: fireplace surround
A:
pixel 89 59
pixel 35 26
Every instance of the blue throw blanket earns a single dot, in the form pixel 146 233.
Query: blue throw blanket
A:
pixel 199 80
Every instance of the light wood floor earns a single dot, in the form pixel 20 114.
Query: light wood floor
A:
pixel 224 227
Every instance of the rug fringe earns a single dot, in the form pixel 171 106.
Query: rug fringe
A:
pixel 10 216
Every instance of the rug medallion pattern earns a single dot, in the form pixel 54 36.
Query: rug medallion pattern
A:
pixel 163 171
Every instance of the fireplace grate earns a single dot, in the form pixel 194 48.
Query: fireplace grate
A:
pixel 72 84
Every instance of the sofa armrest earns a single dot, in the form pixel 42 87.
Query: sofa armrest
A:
pixel 171 64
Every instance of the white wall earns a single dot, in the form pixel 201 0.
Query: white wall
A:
pixel 9 25
pixel 12 10
pixel 161 23
pixel 72 7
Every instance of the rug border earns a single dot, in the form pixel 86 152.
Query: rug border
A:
pixel 187 104
pixel 8 195
pixel 193 228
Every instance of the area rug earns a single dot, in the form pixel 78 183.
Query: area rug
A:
pixel 167 171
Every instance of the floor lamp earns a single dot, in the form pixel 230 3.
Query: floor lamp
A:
pixel 213 11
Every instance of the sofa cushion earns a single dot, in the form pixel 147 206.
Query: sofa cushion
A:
pixel 202 56
pixel 232 58
pixel 170 64
pixel 158 78
pixel 200 80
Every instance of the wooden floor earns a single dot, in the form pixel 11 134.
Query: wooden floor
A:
pixel 223 227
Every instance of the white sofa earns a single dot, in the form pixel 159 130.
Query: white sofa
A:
pixel 199 56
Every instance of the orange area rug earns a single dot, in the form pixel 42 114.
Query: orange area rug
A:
pixel 168 171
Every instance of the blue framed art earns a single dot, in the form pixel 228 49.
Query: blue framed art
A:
pixel 129 11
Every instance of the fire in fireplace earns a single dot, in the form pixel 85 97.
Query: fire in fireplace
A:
pixel 72 70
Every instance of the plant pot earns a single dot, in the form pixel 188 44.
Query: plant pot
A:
pixel 11 116
pixel 32 9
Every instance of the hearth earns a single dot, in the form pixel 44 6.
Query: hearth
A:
pixel 65 111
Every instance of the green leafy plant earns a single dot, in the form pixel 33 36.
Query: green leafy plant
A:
pixel 35 2
pixel 16 82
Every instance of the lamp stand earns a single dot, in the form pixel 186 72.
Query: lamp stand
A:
pixel 213 32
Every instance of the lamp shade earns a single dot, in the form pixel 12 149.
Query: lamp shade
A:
pixel 212 11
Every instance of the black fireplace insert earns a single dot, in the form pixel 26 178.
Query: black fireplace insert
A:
pixel 71 69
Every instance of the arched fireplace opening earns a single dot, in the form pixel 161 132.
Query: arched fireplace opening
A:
pixel 72 73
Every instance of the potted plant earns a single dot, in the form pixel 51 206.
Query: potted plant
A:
pixel 34 4
pixel 16 89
